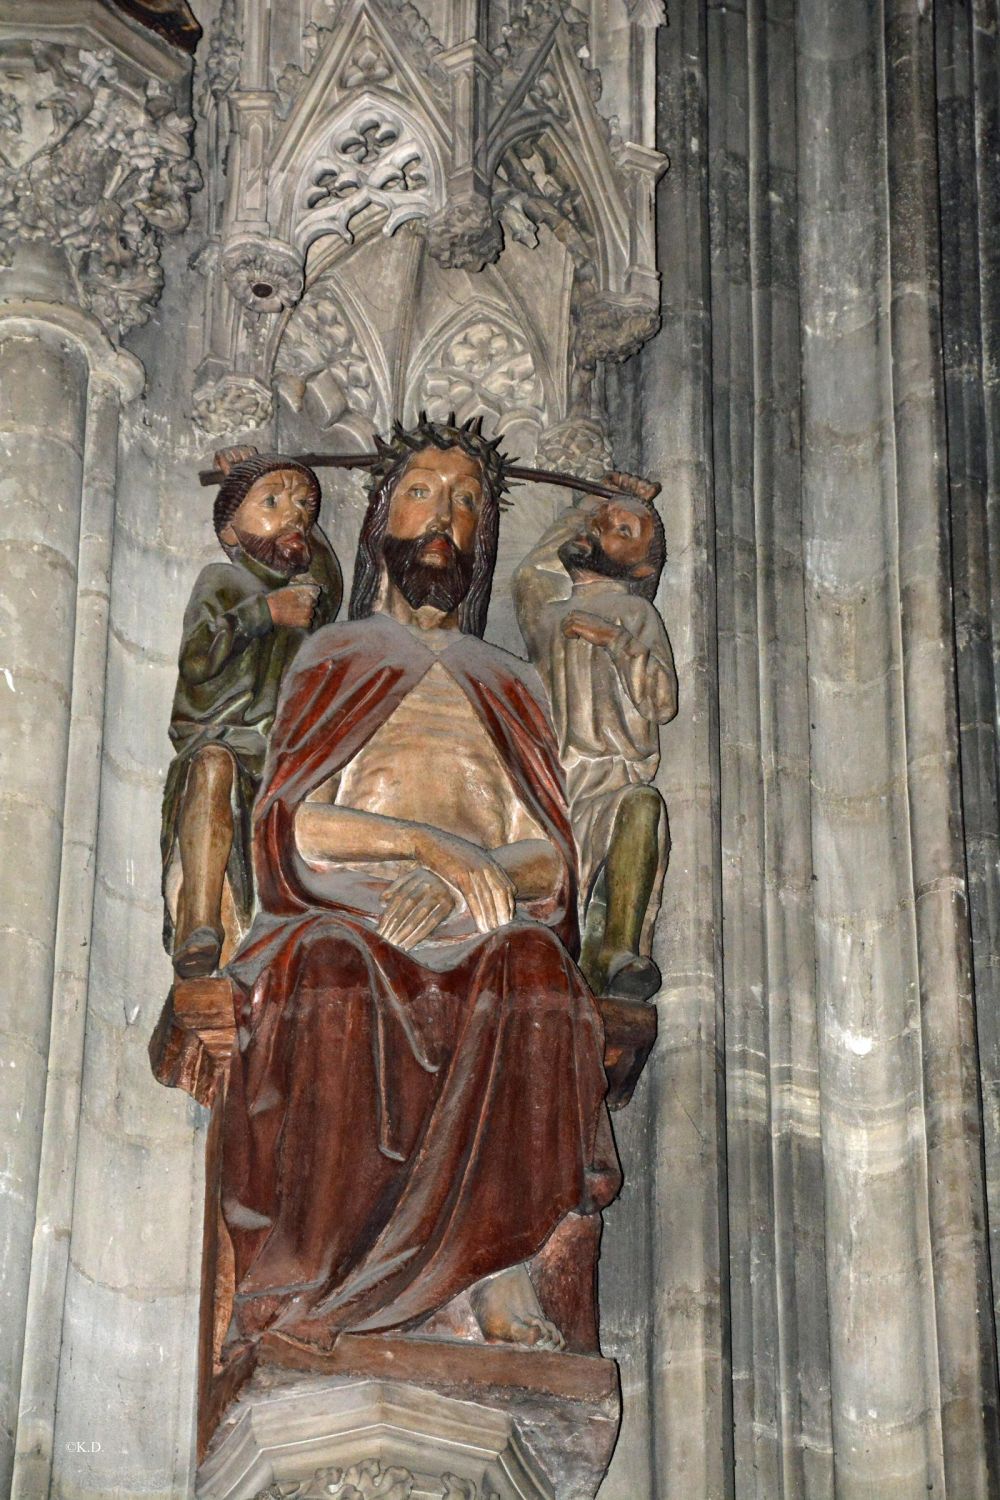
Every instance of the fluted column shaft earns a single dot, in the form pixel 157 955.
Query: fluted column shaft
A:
pixel 912 1393
pixel 60 387
pixel 42 421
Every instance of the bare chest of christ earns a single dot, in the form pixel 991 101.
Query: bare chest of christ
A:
pixel 432 762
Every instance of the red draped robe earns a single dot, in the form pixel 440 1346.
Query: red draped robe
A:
pixel 400 1125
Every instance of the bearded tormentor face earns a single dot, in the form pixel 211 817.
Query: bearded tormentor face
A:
pixel 614 540
pixel 273 521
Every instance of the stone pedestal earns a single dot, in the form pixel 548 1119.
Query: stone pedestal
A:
pixel 293 1434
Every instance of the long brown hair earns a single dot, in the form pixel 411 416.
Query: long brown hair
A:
pixel 393 458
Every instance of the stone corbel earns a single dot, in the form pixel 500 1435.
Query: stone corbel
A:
pixel 613 326
pixel 377 1440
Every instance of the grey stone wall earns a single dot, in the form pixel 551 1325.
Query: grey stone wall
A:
pixel 967 143
pixel 822 402
pixel 796 1279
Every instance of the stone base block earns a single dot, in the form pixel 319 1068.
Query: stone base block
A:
pixel 298 1436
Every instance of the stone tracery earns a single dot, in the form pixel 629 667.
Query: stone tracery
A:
pixel 320 359
pixel 482 368
pixel 371 160
pixel 365 138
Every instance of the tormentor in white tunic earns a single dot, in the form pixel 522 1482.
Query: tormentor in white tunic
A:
pixel 606 662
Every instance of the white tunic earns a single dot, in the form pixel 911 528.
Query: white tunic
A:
pixel 607 702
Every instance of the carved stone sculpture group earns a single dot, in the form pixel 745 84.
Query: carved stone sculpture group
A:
pixel 391 834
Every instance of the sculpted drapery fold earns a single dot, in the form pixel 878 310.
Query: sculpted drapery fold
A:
pixel 499 1045
pixel 411 1133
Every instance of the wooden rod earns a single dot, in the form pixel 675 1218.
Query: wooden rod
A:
pixel 567 481
pixel 311 461
pixel 368 460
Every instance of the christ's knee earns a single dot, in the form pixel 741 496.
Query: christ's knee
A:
pixel 534 961
pixel 335 961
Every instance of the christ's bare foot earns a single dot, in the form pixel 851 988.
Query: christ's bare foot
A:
pixel 509 1312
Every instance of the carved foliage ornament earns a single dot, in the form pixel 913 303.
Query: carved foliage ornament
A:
pixel 575 447
pixel 534 187
pixel 236 403
pixel 368 1480
pixel 465 235
pixel 521 39
pixel 93 167
pixel 613 327
pixel 367 65
pixel 263 274
pixel 222 64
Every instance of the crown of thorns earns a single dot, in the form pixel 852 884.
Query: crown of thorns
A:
pixel 468 436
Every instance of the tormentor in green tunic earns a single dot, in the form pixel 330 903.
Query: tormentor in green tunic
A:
pixel 245 621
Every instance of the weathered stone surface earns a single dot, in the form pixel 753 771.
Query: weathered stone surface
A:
pixel 795 1278
pixel 36 647
pixel 304 1436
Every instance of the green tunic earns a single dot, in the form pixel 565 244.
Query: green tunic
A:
pixel 232 660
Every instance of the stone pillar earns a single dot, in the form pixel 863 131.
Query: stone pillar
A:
pixel 886 1437
pixel 964 1335
pixel 968 120
pixel 95 169
pixel 810 593
pixel 677 1431
pixel 912 1372
pixel 777 1273
pixel 60 385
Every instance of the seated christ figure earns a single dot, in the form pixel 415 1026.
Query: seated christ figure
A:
pixel 416 1110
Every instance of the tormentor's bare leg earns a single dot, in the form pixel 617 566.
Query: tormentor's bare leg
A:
pixel 509 1311
pixel 205 838
pixel 629 875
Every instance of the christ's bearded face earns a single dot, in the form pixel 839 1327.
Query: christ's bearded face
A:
pixel 431 531
pixel 614 541
pixel 273 522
